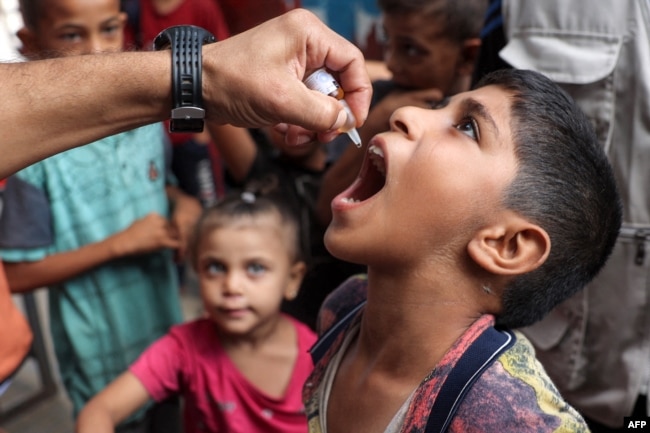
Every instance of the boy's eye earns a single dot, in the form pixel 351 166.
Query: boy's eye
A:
pixel 255 269
pixel 410 50
pixel 404 48
pixel 469 127
pixel 70 37
pixel 112 29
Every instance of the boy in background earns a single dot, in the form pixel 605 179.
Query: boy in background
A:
pixel 430 49
pixel 93 224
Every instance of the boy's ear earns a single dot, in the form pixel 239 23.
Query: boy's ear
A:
pixel 513 247
pixel 296 274
pixel 28 40
pixel 469 56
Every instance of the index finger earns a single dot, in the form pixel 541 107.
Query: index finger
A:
pixel 327 48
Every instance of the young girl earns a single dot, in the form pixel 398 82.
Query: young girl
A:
pixel 241 368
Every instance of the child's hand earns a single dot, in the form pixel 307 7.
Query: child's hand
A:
pixel 187 211
pixel 145 235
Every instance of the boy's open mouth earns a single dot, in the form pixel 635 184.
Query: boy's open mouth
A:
pixel 371 179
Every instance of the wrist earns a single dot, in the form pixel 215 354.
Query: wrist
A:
pixel 114 247
pixel 185 43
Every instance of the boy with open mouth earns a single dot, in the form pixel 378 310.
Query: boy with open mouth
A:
pixel 474 218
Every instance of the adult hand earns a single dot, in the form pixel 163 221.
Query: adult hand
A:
pixel 255 78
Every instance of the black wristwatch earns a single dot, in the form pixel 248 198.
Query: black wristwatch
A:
pixel 187 97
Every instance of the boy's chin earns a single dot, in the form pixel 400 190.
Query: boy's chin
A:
pixel 342 247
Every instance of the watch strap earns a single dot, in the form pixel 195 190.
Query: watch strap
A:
pixel 187 98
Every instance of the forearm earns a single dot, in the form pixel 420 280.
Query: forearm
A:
pixel 57 268
pixel 115 403
pixel 94 419
pixel 69 104
pixel 181 202
pixel 49 106
pixel 236 147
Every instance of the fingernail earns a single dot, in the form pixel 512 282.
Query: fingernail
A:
pixel 281 127
pixel 303 139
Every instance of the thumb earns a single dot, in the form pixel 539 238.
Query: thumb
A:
pixel 313 110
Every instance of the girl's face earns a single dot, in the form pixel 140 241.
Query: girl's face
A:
pixel 245 269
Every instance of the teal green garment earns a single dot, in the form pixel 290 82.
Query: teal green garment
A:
pixel 102 320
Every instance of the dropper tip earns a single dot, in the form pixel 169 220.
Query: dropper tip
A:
pixel 354 136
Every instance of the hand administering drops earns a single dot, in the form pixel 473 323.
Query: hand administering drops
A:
pixel 121 91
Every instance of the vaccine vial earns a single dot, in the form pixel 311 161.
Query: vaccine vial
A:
pixel 322 81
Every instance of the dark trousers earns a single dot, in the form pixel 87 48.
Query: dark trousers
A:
pixel 163 417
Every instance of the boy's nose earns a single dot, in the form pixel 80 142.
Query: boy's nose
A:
pixel 408 121
pixel 96 45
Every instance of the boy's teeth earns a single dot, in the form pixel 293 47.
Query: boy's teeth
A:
pixel 376 150
pixel 377 159
pixel 350 200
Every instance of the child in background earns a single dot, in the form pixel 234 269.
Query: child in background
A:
pixel 297 169
pixel 431 47
pixel 242 367
pixel 93 224
pixel 486 211
pixel 242 15
pixel 147 18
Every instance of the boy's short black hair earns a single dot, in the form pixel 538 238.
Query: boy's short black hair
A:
pixel 463 19
pixel 565 184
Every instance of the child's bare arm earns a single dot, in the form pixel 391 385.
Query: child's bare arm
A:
pixel 116 402
pixel 147 234
pixel 186 211
pixel 237 148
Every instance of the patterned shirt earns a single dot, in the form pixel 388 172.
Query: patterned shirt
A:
pixel 514 394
